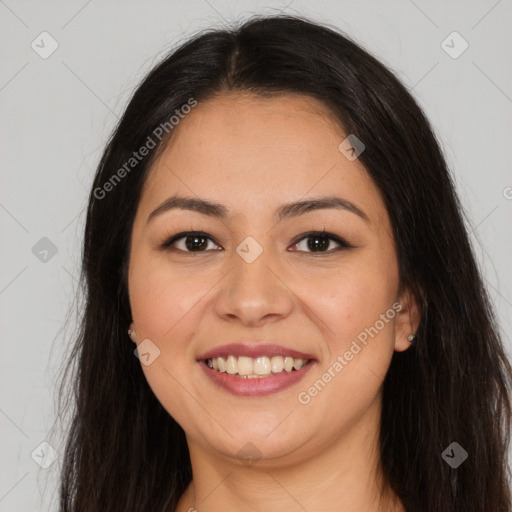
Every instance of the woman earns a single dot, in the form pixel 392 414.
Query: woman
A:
pixel 274 224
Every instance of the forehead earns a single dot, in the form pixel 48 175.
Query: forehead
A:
pixel 249 152
pixel 250 127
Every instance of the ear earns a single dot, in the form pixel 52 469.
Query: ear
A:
pixel 131 333
pixel 407 319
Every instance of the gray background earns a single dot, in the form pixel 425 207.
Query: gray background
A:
pixel 58 112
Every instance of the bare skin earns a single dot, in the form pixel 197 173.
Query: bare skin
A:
pixel 252 155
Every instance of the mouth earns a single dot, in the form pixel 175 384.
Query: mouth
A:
pixel 255 370
pixel 244 367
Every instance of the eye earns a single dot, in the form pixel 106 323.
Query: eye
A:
pixel 319 241
pixel 197 241
pixel 194 241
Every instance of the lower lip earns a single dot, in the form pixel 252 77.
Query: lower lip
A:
pixel 258 386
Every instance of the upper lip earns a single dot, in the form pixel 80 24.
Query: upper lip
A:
pixel 252 350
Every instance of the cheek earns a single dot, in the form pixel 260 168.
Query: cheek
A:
pixel 354 297
pixel 357 306
pixel 162 303
pixel 163 299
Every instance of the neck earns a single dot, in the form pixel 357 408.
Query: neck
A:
pixel 343 476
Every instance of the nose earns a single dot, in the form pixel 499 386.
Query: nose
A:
pixel 254 292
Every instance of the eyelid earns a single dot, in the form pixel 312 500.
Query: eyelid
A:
pixel 183 234
pixel 323 234
pixel 167 244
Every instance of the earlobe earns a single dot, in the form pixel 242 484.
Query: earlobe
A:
pixel 131 333
pixel 407 322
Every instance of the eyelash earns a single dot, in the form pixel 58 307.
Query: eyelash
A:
pixel 167 245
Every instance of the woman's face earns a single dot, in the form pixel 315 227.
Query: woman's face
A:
pixel 254 278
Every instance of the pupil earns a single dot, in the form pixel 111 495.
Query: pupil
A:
pixel 315 243
pixel 322 245
pixel 191 244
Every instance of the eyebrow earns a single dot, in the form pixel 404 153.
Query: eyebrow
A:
pixel 286 211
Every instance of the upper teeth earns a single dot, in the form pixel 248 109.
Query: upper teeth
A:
pixel 248 366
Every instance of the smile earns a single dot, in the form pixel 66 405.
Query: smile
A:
pixel 251 368
pixel 254 368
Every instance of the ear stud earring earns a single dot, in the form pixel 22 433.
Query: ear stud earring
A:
pixel 411 337
pixel 131 333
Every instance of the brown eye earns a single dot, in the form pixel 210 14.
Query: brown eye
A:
pixel 193 242
pixel 319 242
